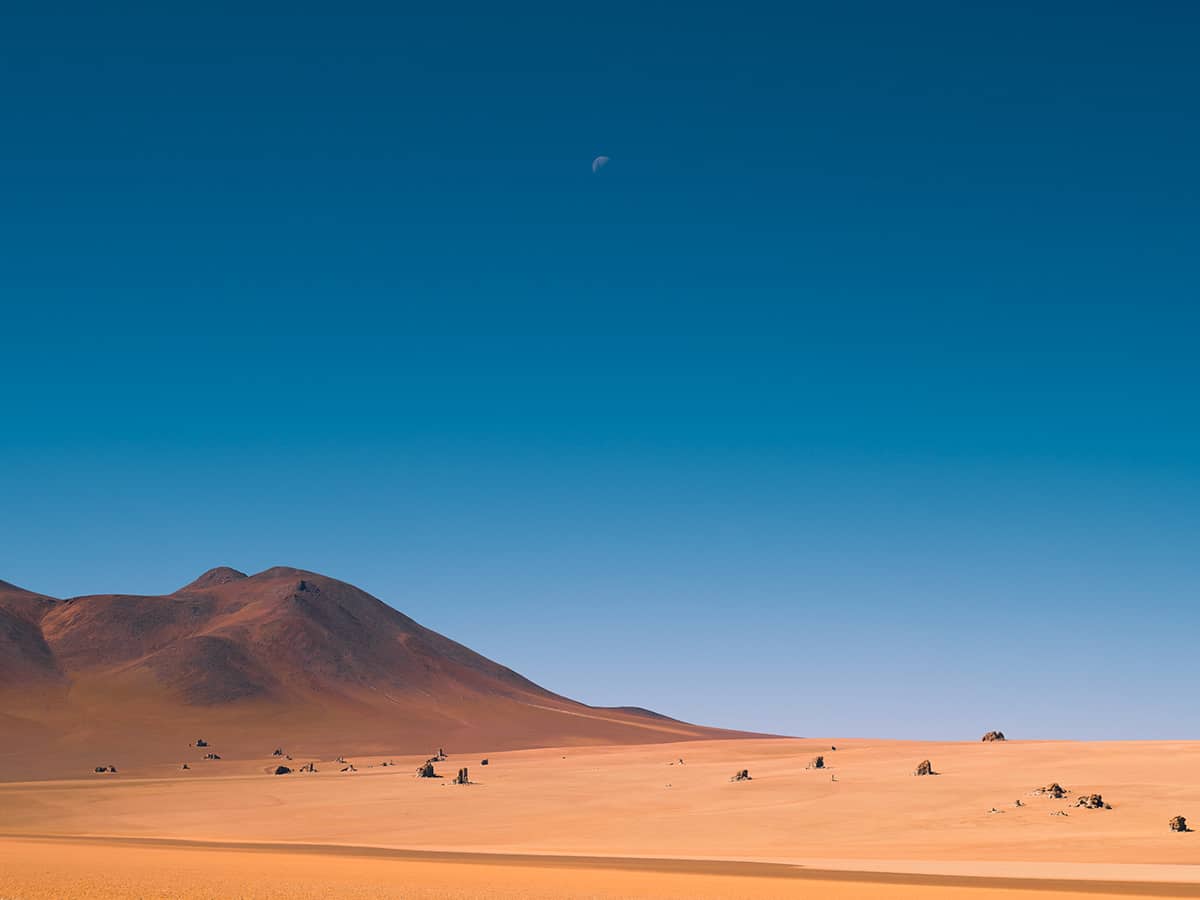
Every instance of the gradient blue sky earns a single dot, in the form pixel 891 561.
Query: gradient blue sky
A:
pixel 858 395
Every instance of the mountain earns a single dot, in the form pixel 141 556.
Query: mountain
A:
pixel 282 658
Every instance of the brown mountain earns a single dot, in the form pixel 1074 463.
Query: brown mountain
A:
pixel 282 658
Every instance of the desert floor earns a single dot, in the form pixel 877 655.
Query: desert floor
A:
pixel 620 822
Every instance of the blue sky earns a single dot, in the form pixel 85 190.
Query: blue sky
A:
pixel 857 395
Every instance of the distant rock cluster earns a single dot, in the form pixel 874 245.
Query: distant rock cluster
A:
pixel 925 767
pixel 993 736
pixel 741 775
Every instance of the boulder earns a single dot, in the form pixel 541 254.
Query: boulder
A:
pixel 211 756
pixel 462 777
pixel 1092 801
pixel 818 762
pixel 993 736
pixel 483 762
pixel 1053 790
pixel 201 742
pixel 309 767
pixel 425 770
pixel 741 775
pixel 277 752
pixel 925 768
pixel 1178 823
pixel 282 770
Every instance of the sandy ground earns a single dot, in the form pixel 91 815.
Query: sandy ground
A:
pixel 629 803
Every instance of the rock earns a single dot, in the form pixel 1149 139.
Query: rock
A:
pixel 993 736
pixel 425 770
pixel 309 767
pixel 1059 812
pixel 1178 823
pixel 462 777
pixel 350 768
pixel 282 770
pixel 278 751
pixel 1018 803
pixel 1053 790
pixel 818 762
pixel 925 768
pixel 201 742
pixel 1092 801
pixel 741 775
pixel 101 770
pixel 483 762
pixel 211 756
pixel 185 766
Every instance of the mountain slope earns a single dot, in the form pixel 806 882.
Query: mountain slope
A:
pixel 280 657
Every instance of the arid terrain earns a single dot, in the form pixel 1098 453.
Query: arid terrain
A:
pixel 290 669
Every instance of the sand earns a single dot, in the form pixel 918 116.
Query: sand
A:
pixel 801 832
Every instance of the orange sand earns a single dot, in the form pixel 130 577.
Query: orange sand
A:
pixel 627 803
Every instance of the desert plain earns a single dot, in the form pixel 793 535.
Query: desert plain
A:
pixel 650 820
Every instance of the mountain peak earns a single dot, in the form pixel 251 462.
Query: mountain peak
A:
pixel 214 577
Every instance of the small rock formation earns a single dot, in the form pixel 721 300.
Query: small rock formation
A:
pixel 833 748
pixel 925 768
pixel 1018 803
pixel 282 770
pixel 1059 812
pixel 818 762
pixel 1053 790
pixel 1092 801
pixel 440 756
pixel 741 775
pixel 350 768
pixel 1178 823
pixel 211 756
pixel 993 736
pixel 462 777
pixel 100 770
pixel 201 742
pixel 993 811
pixel 278 751
pixel 342 760
pixel 185 766
pixel 483 762
pixel 308 767
pixel 425 770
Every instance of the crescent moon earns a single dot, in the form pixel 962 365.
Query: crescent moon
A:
pixel 599 163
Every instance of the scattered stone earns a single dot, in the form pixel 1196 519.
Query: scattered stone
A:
pixel 278 751
pixel 741 775
pixel 483 762
pixel 993 736
pixel 185 766
pixel 1178 823
pixel 925 768
pixel 818 762
pixel 993 811
pixel 201 742
pixel 342 760
pixel 1059 812
pixel 1018 803
pixel 101 770
pixel 1092 801
pixel 211 756
pixel 350 768
pixel 309 767
pixel 1054 790
pixel 833 748
pixel 283 770
pixel 462 777
pixel 425 770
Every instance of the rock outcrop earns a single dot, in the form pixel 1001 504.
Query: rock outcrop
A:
pixel 817 762
pixel 1178 823
pixel 1054 790
pixel 993 736
pixel 1092 801
pixel 741 775
pixel 925 768
pixel 462 777
pixel 425 770
pixel 282 770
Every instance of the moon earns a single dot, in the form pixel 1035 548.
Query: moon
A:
pixel 599 163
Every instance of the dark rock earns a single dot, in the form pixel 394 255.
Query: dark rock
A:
pixel 201 742
pixel 1092 801
pixel 925 768
pixel 425 770
pixel 741 775
pixel 1053 790
pixel 993 736
pixel 278 751
pixel 309 767
pixel 483 762
pixel 818 762
pixel 211 756
pixel 186 766
pixel 282 770
pixel 462 777
pixel 1178 823
pixel 350 768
